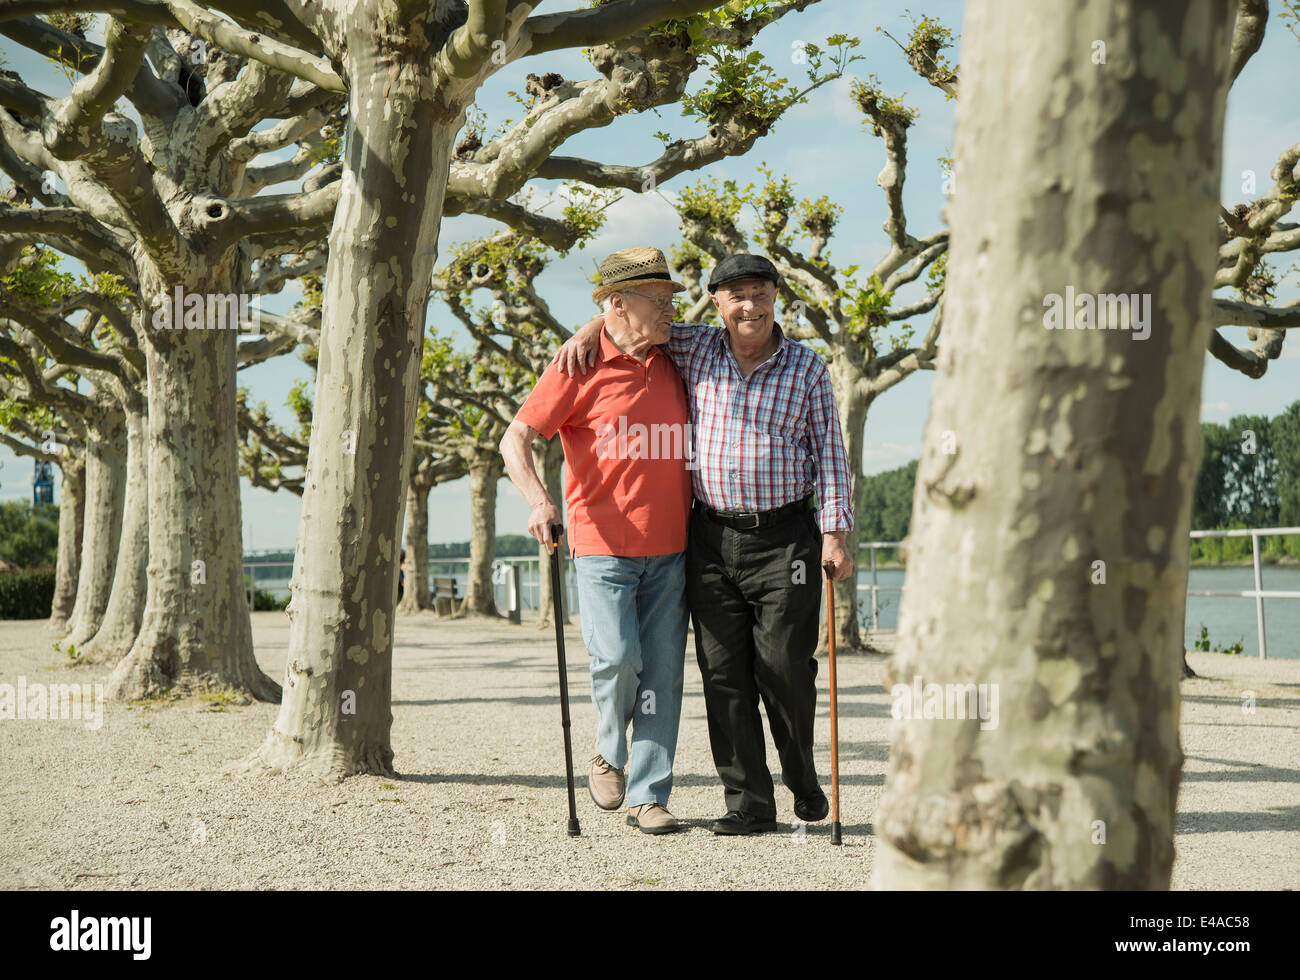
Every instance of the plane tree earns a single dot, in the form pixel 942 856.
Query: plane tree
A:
pixel 407 72
pixel 1047 558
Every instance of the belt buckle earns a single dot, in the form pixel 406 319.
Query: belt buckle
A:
pixel 752 527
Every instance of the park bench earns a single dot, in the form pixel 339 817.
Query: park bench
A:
pixel 444 595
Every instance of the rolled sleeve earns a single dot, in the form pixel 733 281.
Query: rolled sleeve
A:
pixel 834 479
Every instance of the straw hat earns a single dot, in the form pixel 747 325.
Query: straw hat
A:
pixel 631 267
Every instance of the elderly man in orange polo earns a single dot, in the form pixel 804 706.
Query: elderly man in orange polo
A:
pixel 625 427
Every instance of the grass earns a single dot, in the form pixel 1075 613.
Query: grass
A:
pixel 219 699
pixel 154 700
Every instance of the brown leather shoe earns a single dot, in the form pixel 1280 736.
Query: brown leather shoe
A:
pixel 606 784
pixel 652 818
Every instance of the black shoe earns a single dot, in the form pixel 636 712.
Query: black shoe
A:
pixel 811 806
pixel 737 823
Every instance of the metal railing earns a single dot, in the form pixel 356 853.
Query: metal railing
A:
pixel 875 588
pixel 512 593
pixel 1258 593
pixel 521 596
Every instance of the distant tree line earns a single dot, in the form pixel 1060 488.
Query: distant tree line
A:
pixel 29 534
pixel 1249 477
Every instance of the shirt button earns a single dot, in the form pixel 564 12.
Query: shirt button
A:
pixel 734 475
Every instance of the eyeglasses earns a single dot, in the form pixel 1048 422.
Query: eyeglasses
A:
pixel 666 304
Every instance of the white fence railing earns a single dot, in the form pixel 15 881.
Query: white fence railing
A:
pixel 513 594
pixel 517 594
pixel 1258 593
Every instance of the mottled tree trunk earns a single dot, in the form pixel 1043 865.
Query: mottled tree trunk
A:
pixel 484 474
pixel 72 512
pixel 130 582
pixel 336 716
pixel 416 569
pixel 195 632
pixel 549 461
pixel 1072 447
pixel 105 491
pixel 853 418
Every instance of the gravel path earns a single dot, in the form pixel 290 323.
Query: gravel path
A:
pixel 140 803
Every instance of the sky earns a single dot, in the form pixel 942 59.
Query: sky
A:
pixel 825 148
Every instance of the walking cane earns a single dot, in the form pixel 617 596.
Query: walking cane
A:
pixel 557 610
pixel 835 720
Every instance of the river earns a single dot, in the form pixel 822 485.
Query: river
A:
pixel 1228 620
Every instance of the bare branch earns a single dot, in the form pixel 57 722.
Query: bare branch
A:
pixel 470 44
pixel 147 92
pixel 608 22
pixel 1247 35
pixel 1247 362
pixel 281 212
pixel 76 126
pixel 1227 312
pixel 256 46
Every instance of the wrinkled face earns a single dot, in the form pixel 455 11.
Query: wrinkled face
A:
pixel 648 308
pixel 747 306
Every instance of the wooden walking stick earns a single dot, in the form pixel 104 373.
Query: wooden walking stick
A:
pixel 835 720
pixel 557 610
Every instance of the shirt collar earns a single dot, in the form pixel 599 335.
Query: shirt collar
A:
pixel 608 350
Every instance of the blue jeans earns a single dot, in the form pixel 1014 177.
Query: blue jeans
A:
pixel 634 624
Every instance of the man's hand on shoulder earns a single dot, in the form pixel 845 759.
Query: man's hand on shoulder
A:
pixel 581 349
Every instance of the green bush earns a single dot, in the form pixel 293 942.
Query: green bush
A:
pixel 264 601
pixel 29 535
pixel 27 595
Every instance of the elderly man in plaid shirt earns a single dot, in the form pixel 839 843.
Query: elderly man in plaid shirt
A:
pixel 768 436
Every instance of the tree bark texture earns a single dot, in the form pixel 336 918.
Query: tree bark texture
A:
pixel 485 473
pixel 1070 447
pixel 72 513
pixel 126 602
pixel 105 491
pixel 336 717
pixel 415 596
pixel 853 418
pixel 195 632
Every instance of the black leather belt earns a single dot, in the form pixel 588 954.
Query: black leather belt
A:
pixel 742 521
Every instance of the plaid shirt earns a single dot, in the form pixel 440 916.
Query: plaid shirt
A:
pixel 768 440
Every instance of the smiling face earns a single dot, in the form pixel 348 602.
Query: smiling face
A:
pixel 747 307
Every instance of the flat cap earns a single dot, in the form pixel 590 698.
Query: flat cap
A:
pixel 743 266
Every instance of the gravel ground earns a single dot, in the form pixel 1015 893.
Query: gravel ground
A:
pixel 141 803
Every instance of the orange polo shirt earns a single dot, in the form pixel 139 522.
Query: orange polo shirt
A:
pixel 625 428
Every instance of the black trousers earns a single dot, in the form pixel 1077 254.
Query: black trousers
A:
pixel 755 599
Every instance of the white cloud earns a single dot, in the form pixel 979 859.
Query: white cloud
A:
pixel 881 456
pixel 1221 409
